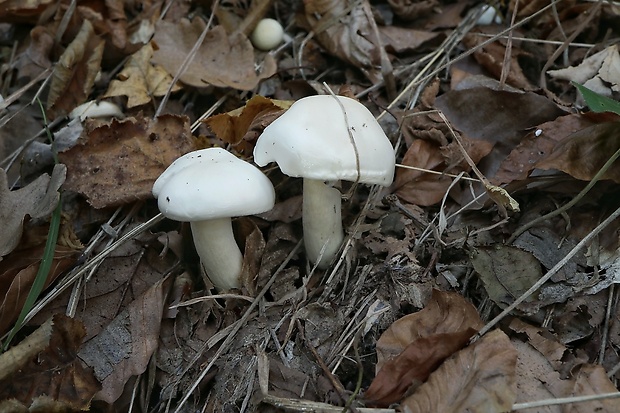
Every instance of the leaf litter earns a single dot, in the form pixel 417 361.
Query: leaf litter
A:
pixel 426 263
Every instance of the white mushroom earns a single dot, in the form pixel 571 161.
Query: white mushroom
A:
pixel 207 188
pixel 316 141
pixel 267 34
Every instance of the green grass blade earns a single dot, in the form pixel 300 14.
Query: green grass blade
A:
pixel 42 273
pixel 596 102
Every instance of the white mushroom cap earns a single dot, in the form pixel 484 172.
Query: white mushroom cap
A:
pixel 212 183
pixel 311 140
pixel 267 34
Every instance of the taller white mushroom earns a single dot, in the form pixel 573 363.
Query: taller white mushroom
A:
pixel 206 188
pixel 324 139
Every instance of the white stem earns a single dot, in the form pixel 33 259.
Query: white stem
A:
pixel 219 253
pixel 322 221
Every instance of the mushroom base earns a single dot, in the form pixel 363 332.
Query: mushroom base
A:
pixel 219 253
pixel 322 222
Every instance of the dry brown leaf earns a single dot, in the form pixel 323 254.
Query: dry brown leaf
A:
pixel 221 61
pixel 413 366
pixel 140 80
pixel 17 274
pixel 20 11
pixel 479 379
pixel 404 40
pixel 491 57
pixel 53 373
pixel 599 72
pixel 36 200
pixel 344 30
pixel 245 122
pixel 124 348
pixel 444 313
pixel 537 145
pixel 583 153
pixel 506 273
pixel 409 10
pixel 36 57
pixel 118 162
pixel 74 74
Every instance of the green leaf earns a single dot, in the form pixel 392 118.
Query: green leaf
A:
pixel 596 102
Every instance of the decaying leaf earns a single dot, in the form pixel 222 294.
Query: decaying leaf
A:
pixel 221 61
pixel 506 272
pixel 479 379
pixel 584 153
pixel 140 80
pixel 44 370
pixel 413 366
pixel 444 313
pixel 74 74
pixel 124 348
pixel 599 72
pixel 17 274
pixel 36 200
pixel 245 122
pixel 118 162
pixel 491 57
pixel 538 145
pixel 413 346
pixel 343 28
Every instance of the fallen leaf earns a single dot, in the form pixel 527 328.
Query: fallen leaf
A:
pixel 242 123
pixel 17 274
pixel 584 153
pixel 36 200
pixel 444 313
pixel 140 80
pixel 413 366
pixel 118 162
pixel 537 145
pixel 74 74
pixel 412 10
pixel 479 379
pixel 51 375
pixel 491 57
pixel 599 72
pixel 344 30
pixel 506 272
pixel 18 11
pixel 221 61
pixel 124 348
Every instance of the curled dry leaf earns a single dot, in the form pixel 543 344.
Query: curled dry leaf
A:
pixel 444 313
pixel 74 74
pixel 479 379
pixel 118 162
pixel 140 80
pixel 45 371
pixel 247 122
pixel 413 346
pixel 37 200
pixel 221 61
pixel 343 28
pixel 413 366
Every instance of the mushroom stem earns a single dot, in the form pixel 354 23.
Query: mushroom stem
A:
pixel 219 253
pixel 322 221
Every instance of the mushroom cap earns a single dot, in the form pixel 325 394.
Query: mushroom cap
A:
pixel 212 183
pixel 311 140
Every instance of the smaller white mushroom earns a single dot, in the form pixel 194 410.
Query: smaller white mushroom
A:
pixel 96 109
pixel 324 139
pixel 489 16
pixel 206 188
pixel 267 34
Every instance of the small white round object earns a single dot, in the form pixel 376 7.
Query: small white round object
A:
pixel 489 16
pixel 267 34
